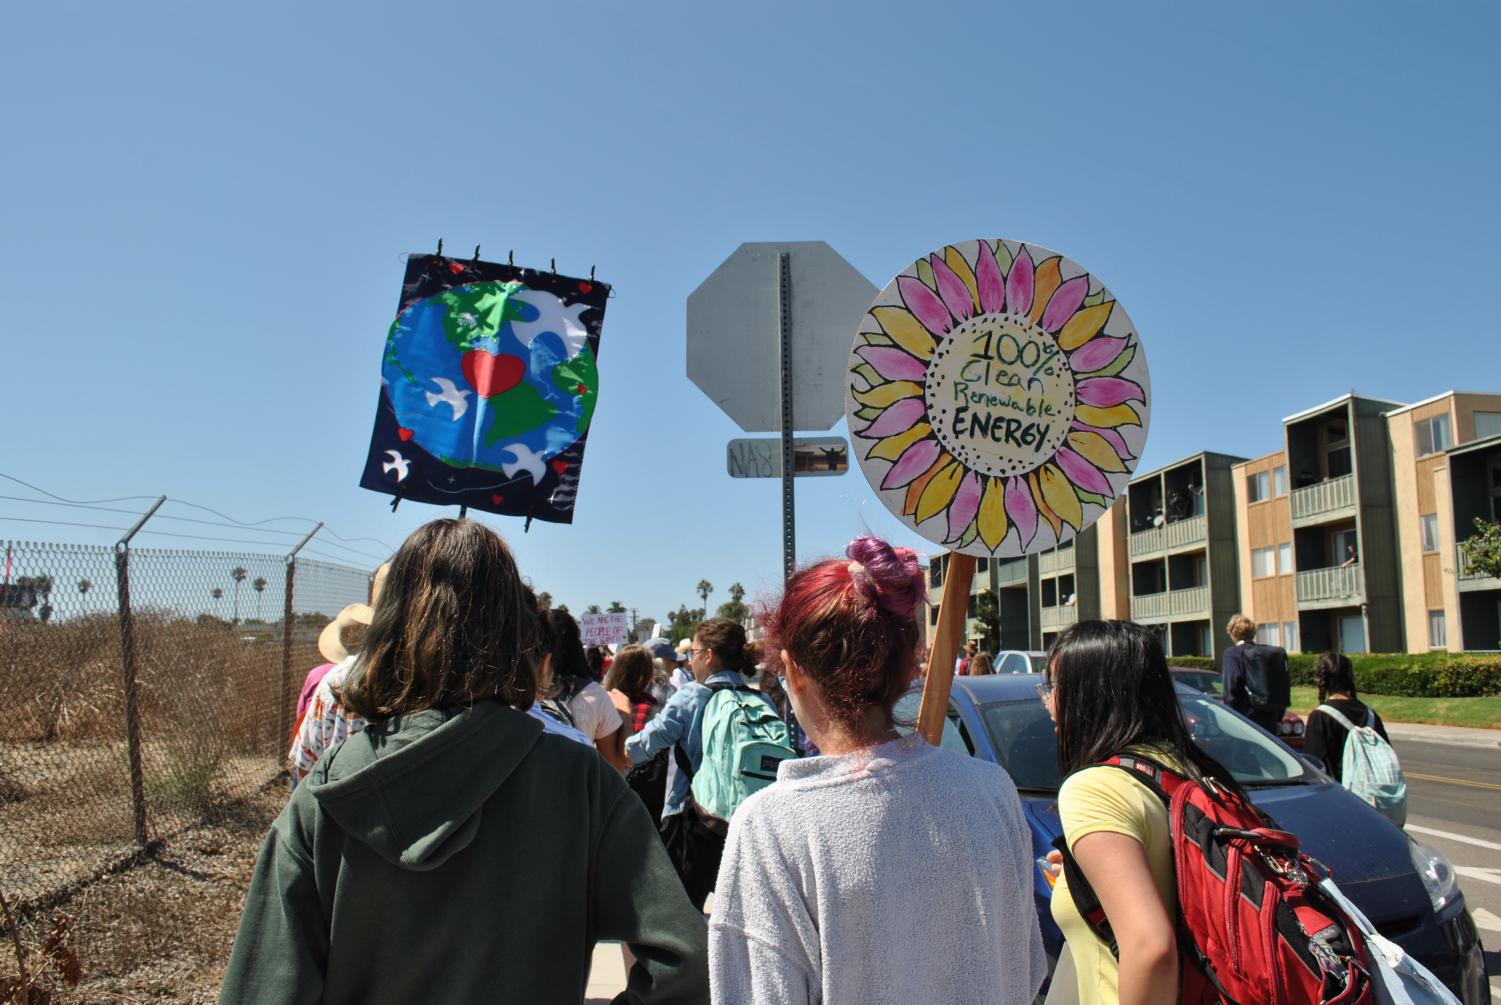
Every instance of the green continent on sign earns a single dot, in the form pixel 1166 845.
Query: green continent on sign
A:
pixel 477 311
pixel 579 372
pixel 517 411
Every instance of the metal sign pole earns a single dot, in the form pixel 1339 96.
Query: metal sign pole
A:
pixel 784 335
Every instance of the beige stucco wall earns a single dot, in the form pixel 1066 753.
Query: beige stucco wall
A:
pixel 1115 566
pixel 1264 524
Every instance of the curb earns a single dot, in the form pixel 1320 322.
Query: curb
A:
pixel 1452 736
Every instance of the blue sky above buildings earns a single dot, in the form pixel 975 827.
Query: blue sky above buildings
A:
pixel 206 213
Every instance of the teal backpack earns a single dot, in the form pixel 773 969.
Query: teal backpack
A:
pixel 1370 769
pixel 744 740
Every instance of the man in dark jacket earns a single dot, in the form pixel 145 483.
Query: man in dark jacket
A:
pixel 1255 677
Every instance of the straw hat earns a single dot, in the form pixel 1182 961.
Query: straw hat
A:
pixel 331 639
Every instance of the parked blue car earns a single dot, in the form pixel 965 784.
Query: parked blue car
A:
pixel 1409 892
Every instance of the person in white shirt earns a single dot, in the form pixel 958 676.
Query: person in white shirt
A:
pixel 851 879
pixel 576 697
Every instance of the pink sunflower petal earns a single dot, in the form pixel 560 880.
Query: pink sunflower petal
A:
pixel 965 505
pixel 893 363
pixel 925 305
pixel 1021 509
pixel 1096 354
pixel 1019 283
pixel 1067 299
pixel 1107 392
pixel 988 279
pixel 952 289
pixel 1110 436
pixel 1083 474
pixel 902 415
pixel 914 461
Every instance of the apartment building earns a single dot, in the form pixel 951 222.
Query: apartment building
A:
pixel 1181 543
pixel 1446 472
pixel 1264 532
pixel 1347 588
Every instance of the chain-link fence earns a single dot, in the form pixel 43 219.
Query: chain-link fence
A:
pixel 138 689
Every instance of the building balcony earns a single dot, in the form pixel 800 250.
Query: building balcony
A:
pixel 1470 579
pixel 1059 617
pixel 1178 534
pixel 1336 587
pixel 1055 561
pixel 1012 572
pixel 1192 602
pixel 1327 500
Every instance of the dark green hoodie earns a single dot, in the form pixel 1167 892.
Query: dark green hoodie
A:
pixel 462 856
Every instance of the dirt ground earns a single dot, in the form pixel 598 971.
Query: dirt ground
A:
pixel 161 930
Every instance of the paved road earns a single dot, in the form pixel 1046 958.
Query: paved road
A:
pixel 1454 806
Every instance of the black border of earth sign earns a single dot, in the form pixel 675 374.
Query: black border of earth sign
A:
pixel 998 397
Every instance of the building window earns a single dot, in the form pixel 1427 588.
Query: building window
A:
pixel 1290 635
pixel 1487 424
pixel 1438 636
pixel 982 566
pixel 1279 480
pixel 1258 486
pixel 1269 635
pixel 1263 562
pixel 1284 559
pixel 1429 524
pixel 1431 436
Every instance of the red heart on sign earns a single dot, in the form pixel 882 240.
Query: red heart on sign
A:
pixel 560 466
pixel 456 267
pixel 497 498
pixel 490 374
pixel 583 389
pixel 585 287
pixel 404 434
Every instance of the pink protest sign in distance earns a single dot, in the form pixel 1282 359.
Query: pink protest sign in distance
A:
pixel 998 397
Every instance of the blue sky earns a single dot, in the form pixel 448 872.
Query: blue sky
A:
pixel 206 212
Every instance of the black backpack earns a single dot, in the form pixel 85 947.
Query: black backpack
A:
pixel 1266 681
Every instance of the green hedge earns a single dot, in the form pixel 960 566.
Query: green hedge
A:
pixel 1412 675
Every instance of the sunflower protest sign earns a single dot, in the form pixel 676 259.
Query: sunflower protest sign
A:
pixel 998 398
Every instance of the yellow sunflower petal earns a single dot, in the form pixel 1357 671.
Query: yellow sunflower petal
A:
pixel 966 275
pixel 883 395
pixel 992 516
pixel 939 492
pixel 1084 325
pixel 1043 509
pixel 906 331
pixel 1044 283
pixel 1096 450
pixel 915 490
pixel 1060 494
pixel 1107 418
pixel 892 447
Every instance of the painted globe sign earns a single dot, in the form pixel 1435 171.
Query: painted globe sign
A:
pixel 998 397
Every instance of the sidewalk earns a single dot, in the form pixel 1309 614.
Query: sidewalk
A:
pixel 607 978
pixel 1453 736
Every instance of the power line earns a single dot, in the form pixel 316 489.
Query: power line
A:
pixel 63 523
pixel 76 502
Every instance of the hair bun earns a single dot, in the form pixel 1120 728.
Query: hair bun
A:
pixel 888 577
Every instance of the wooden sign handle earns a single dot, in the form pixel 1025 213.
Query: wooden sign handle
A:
pixel 953 607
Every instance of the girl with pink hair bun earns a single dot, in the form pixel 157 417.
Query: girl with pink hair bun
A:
pixel 851 878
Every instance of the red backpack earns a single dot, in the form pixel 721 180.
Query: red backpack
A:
pixel 1253 925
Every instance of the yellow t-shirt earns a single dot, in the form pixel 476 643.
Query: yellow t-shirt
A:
pixel 1109 799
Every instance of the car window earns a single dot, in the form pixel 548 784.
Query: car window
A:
pixel 1022 734
pixel 1039 662
pixel 1014 663
pixel 904 717
pixel 1203 680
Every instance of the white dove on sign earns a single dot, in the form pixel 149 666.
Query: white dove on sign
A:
pixel 552 316
pixel 451 394
pixel 526 460
pixel 398 464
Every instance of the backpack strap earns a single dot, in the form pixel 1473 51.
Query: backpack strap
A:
pixel 1339 716
pixel 679 755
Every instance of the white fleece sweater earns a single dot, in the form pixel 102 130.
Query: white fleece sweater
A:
pixel 902 874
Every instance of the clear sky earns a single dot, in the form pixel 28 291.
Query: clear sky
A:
pixel 206 209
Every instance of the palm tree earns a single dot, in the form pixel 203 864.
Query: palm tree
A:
pixel 544 598
pixel 592 609
pixel 704 589
pixel 84 586
pixel 259 586
pixel 43 585
pixel 218 594
pixel 238 573
pixel 616 607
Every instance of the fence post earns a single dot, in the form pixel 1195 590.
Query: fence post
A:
pixel 285 708
pixel 128 673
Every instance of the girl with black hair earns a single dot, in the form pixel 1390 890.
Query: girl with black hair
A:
pixel 576 697
pixel 1109 690
pixel 1325 737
